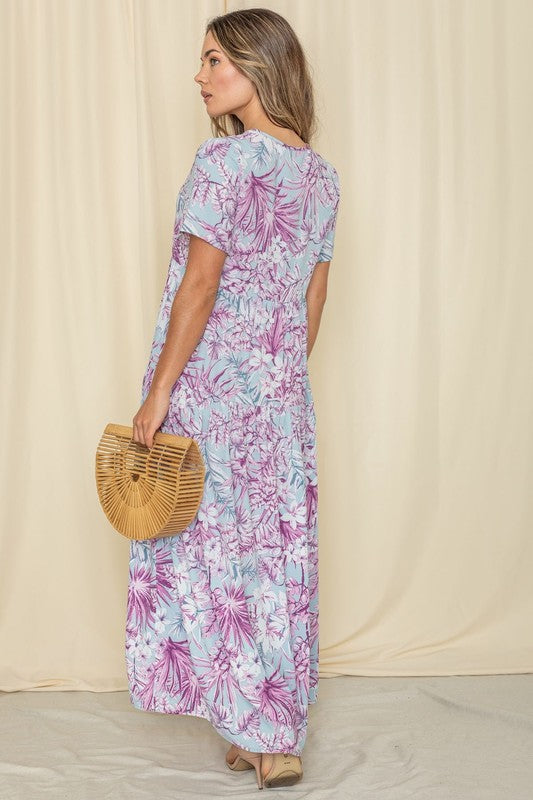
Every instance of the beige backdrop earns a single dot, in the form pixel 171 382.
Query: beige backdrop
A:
pixel 422 372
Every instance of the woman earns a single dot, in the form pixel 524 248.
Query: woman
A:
pixel 222 619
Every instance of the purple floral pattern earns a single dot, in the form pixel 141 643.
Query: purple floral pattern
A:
pixel 222 619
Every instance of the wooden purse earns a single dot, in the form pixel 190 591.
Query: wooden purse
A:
pixel 148 492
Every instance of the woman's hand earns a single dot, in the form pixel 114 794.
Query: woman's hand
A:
pixel 150 416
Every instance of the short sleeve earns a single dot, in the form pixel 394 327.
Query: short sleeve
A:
pixel 208 201
pixel 326 250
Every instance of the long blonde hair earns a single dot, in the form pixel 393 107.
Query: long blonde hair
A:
pixel 263 45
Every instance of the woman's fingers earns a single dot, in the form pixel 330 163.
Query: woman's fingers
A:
pixel 149 417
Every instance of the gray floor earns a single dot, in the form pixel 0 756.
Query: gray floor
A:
pixel 439 738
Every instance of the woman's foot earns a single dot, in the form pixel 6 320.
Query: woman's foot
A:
pixel 231 757
pixel 239 759
pixel 266 763
pixel 230 754
pixel 279 769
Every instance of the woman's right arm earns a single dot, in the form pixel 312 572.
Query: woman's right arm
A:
pixel 315 298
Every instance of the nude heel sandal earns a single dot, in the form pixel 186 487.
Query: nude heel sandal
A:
pixel 247 760
pixel 286 769
pixel 239 763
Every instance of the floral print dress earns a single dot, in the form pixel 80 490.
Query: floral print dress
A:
pixel 222 618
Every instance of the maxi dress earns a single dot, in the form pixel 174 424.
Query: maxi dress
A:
pixel 222 618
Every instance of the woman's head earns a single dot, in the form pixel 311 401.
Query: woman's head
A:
pixel 259 68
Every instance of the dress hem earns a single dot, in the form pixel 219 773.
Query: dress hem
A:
pixel 227 737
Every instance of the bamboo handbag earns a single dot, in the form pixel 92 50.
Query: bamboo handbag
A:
pixel 148 492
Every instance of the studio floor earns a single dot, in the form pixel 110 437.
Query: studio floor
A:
pixel 422 738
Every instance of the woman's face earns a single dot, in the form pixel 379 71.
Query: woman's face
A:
pixel 230 91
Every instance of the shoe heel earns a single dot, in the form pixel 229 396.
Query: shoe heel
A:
pixel 256 763
pixel 246 760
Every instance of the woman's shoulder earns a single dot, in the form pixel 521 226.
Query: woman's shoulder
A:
pixel 231 152
pixel 218 146
pixel 217 156
pixel 329 168
pixel 329 176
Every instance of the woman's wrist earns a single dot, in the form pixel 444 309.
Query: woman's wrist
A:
pixel 160 388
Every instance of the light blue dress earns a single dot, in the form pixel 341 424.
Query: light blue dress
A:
pixel 222 619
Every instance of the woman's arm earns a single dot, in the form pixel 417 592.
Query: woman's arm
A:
pixel 316 296
pixel 191 308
